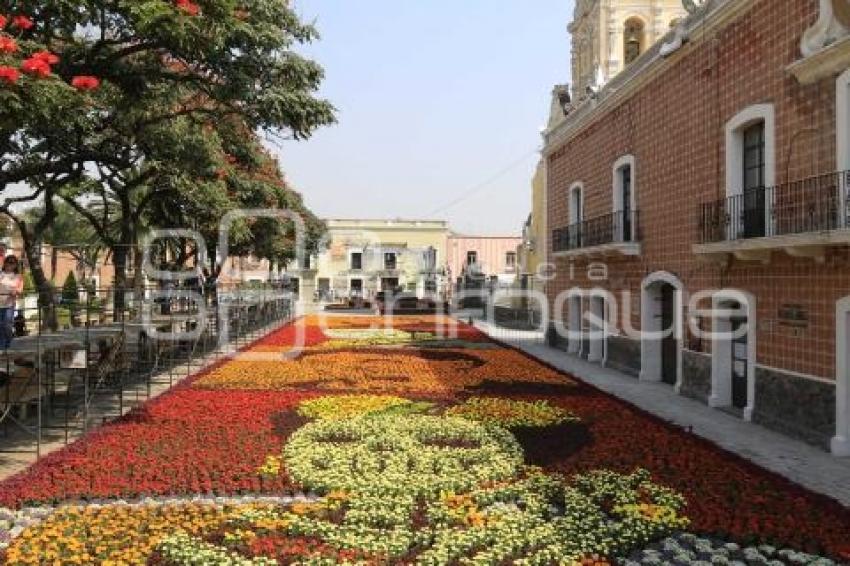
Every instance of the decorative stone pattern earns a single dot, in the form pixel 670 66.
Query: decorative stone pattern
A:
pixel 798 407
pixel 696 376
pixel 690 549
pixel 624 355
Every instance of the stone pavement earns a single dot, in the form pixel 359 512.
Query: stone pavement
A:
pixel 801 463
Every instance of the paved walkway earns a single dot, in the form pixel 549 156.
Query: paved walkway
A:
pixel 801 463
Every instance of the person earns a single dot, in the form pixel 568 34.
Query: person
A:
pixel 11 287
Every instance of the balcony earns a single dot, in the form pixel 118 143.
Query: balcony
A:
pixel 801 218
pixel 612 234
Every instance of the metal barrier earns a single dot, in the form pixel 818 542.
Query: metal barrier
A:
pixel 99 364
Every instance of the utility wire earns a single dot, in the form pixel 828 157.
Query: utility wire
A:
pixel 484 184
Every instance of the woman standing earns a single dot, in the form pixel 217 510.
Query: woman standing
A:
pixel 11 287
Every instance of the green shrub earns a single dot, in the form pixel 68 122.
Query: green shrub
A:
pixel 70 290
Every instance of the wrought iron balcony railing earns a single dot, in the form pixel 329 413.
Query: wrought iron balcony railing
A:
pixel 816 204
pixel 615 228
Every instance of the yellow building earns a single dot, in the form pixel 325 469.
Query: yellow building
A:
pixel 364 257
pixel 609 35
pixel 531 253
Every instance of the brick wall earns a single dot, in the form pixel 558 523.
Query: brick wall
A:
pixel 674 126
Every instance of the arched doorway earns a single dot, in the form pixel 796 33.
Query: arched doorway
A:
pixel 841 441
pixel 733 352
pixel 662 306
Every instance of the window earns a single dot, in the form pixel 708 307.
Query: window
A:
pixel 307 261
pixel 390 260
pixel 357 261
pixel 356 287
pixel 750 167
pixel 576 204
pixel 510 261
pixel 754 157
pixel 625 211
pixel 633 40
pixel 471 258
pixel 576 216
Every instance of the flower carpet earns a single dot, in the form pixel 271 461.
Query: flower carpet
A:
pixel 353 440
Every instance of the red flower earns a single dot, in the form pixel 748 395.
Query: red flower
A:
pixel 9 75
pixel 46 56
pixel 22 22
pixel 188 7
pixel 85 82
pixel 36 68
pixel 3 21
pixel 7 44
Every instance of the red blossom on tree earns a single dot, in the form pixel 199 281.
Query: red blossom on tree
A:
pixel 36 67
pixel 7 44
pixel 3 21
pixel 22 22
pixel 9 75
pixel 188 7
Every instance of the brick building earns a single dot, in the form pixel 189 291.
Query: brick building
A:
pixel 704 188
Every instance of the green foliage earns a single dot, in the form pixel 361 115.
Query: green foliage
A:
pixel 29 285
pixel 70 290
pixel 169 139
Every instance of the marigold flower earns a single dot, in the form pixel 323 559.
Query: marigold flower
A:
pixel 36 67
pixel 85 83
pixel 9 75
pixel 22 22
pixel 7 44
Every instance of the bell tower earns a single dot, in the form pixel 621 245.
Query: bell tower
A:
pixel 608 35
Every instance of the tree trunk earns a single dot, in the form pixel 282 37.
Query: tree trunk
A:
pixel 120 254
pixel 46 298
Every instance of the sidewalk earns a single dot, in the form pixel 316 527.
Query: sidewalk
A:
pixel 801 463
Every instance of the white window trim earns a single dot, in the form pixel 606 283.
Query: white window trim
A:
pixel 735 156
pixel 840 444
pixel 735 146
pixel 842 121
pixel 617 196
pixel 575 219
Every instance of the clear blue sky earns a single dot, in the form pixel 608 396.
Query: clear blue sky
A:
pixel 435 98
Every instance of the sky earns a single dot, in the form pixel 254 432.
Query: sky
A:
pixel 440 106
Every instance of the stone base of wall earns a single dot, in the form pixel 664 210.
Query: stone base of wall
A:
pixel 624 355
pixel 696 376
pixel 795 406
pixel 555 340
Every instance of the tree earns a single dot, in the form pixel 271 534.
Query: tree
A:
pixel 153 70
pixel 70 290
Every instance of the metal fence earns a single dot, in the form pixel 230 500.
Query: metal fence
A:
pixel 97 364
pixel 815 204
pixel 614 228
